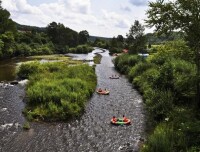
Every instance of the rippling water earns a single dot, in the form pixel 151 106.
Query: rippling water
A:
pixel 91 133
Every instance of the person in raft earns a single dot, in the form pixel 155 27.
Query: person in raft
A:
pixel 114 119
pixel 125 119
pixel 100 90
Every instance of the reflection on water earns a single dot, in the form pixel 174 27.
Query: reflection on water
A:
pixel 8 67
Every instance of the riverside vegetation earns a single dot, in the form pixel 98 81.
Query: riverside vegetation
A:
pixel 167 81
pixel 57 91
pixel 168 78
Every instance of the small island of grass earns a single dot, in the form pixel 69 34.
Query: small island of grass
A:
pixel 57 91
pixel 97 59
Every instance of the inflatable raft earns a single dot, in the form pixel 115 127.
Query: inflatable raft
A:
pixel 115 77
pixel 103 92
pixel 121 122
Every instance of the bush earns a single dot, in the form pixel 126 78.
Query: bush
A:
pixel 159 103
pixel 161 140
pixel 124 62
pixel 180 77
pixel 138 69
pixel 81 49
pixel 27 69
pixel 22 50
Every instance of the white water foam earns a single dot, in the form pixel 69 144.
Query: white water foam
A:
pixel 7 125
pixel 23 82
pixel 3 109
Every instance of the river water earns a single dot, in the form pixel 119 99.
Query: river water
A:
pixel 91 133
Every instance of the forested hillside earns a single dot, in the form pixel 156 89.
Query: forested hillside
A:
pixel 24 40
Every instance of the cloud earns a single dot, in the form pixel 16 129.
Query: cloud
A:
pixel 74 11
pixel 81 6
pixel 139 2
pixel 8 4
pixel 116 19
pixel 123 24
pixel 125 8
pixel 20 6
pixel 111 15
pixel 77 14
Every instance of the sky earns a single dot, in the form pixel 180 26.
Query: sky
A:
pixel 106 18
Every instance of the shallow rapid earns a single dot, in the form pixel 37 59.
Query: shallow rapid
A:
pixel 90 133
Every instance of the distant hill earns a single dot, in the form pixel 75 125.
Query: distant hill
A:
pixel 30 28
pixel 43 29
pixel 93 38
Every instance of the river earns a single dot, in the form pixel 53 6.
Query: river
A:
pixel 91 133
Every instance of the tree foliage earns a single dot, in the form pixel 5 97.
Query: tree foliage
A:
pixel 61 35
pixel 135 38
pixel 6 24
pixel 181 15
pixel 83 37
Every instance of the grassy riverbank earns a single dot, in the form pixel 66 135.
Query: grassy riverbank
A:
pixel 57 91
pixel 167 82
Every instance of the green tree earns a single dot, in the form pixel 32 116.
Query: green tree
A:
pixel 120 38
pixel 61 36
pixel 180 15
pixel 6 24
pixel 52 31
pixel 135 38
pixel 113 42
pixel 83 37
pixel 8 39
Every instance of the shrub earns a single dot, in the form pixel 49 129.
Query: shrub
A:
pixel 161 140
pixel 27 69
pixel 159 103
pixel 138 69
pixel 81 49
pixel 124 62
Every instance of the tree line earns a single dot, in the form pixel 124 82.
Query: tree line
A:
pixel 19 40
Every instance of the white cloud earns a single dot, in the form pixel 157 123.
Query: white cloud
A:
pixel 94 16
pixel 59 11
pixel 110 15
pixel 116 19
pixel 123 24
pixel 8 4
pixel 80 6
pixel 139 2
pixel 20 6
pixel 125 8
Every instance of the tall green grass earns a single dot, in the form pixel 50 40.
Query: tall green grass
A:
pixel 161 140
pixel 58 91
